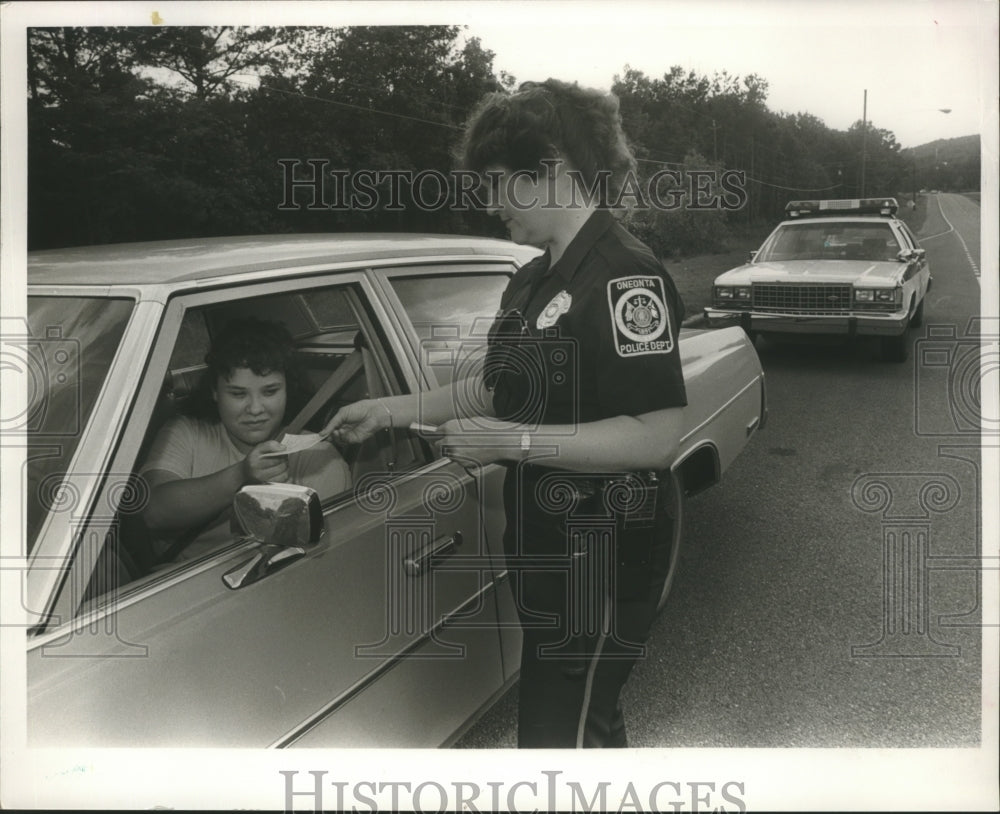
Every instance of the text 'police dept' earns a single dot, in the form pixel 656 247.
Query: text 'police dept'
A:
pixel 640 347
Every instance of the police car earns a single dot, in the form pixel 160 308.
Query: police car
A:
pixel 832 267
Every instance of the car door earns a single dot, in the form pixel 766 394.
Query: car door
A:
pixel 917 268
pixel 448 316
pixel 369 639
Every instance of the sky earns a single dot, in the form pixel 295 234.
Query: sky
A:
pixel 913 57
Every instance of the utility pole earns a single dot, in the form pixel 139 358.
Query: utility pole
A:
pixel 864 141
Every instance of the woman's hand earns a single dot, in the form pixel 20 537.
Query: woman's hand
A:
pixel 355 422
pixel 261 468
pixel 479 441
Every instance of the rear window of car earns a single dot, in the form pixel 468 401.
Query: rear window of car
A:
pixel 831 240
pixel 65 358
pixel 451 314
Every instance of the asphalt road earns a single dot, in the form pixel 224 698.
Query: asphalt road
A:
pixel 785 627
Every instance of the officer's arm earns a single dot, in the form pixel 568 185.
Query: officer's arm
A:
pixel 459 399
pixel 621 444
pixel 624 443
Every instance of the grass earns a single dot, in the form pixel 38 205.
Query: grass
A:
pixel 694 276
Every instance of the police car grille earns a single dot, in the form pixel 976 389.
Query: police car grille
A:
pixel 802 299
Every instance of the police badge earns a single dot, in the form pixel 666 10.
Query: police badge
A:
pixel 557 306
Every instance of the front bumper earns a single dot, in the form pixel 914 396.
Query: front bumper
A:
pixel 854 323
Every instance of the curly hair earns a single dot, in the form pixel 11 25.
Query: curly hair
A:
pixel 263 346
pixel 545 120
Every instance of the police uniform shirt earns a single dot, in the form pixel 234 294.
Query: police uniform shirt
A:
pixel 591 337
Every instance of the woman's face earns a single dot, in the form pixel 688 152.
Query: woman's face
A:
pixel 519 201
pixel 251 407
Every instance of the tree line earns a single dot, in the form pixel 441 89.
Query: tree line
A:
pixel 167 132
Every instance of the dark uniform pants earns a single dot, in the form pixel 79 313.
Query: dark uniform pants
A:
pixel 587 582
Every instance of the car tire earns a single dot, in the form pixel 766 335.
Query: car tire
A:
pixel 677 486
pixel 896 348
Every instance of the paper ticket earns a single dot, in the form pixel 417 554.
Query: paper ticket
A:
pixel 295 443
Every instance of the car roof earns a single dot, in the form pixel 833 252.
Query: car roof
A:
pixel 841 219
pixel 200 259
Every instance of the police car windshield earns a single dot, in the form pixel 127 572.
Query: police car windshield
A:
pixel 827 239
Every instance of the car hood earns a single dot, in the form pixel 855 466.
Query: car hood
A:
pixel 867 272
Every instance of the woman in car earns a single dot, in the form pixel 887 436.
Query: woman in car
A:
pixel 198 462
pixel 584 390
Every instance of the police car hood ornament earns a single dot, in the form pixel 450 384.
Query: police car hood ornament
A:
pixel 557 306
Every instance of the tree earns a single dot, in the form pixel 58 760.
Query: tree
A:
pixel 149 133
pixel 209 60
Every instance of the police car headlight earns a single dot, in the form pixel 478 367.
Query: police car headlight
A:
pixel 723 292
pixel 885 295
pixel 864 295
pixel 743 293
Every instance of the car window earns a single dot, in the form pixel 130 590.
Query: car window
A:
pixel 340 356
pixel 909 241
pixel 450 313
pixel 831 240
pixel 66 357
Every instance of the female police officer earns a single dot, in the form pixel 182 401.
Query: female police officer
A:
pixel 583 382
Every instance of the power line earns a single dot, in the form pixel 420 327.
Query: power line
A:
pixel 358 107
pixel 793 189
pixel 749 178
pixel 459 128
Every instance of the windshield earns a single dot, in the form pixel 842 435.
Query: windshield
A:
pixel 830 240
pixel 65 359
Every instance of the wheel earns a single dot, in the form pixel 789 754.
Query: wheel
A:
pixel 677 488
pixel 895 348
pixel 918 316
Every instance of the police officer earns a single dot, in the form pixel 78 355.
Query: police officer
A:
pixel 584 377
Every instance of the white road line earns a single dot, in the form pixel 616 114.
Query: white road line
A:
pixel 939 234
pixel 968 254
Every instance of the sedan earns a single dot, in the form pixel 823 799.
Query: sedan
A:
pixel 386 618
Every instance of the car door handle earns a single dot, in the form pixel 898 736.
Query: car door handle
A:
pixel 421 564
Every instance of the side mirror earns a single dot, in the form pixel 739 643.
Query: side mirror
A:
pixel 904 255
pixel 753 254
pixel 284 518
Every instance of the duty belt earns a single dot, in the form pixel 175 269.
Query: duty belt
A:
pixel 589 484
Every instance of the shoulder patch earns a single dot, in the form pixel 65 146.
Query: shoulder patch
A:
pixel 640 316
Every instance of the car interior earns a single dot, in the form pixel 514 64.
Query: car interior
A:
pixel 342 363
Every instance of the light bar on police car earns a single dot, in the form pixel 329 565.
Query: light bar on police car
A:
pixel 847 206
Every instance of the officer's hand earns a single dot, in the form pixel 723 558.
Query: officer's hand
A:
pixel 270 469
pixel 479 441
pixel 355 422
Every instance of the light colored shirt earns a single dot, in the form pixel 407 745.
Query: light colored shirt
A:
pixel 192 448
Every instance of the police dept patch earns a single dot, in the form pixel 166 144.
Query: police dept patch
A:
pixel 557 306
pixel 640 315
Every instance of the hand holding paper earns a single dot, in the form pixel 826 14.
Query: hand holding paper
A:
pixel 295 443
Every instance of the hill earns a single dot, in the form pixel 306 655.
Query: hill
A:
pixel 949 164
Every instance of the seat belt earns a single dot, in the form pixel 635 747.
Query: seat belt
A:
pixel 348 368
